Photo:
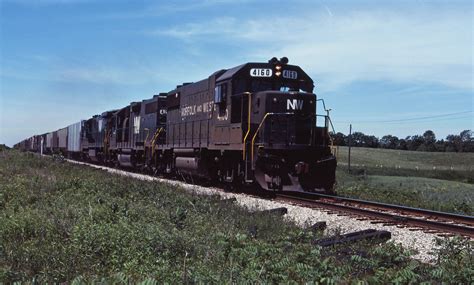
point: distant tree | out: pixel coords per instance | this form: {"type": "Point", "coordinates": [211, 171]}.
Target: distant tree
{"type": "Point", "coordinates": [440, 146]}
{"type": "Point", "coordinates": [466, 135]}
{"type": "Point", "coordinates": [402, 144]}
{"type": "Point", "coordinates": [358, 139]}
{"type": "Point", "coordinates": [370, 141]}
{"type": "Point", "coordinates": [339, 139]}
{"type": "Point", "coordinates": [389, 141]}
{"type": "Point", "coordinates": [467, 141]}
{"type": "Point", "coordinates": [414, 142]}
{"type": "Point", "coordinates": [427, 142]}
{"type": "Point", "coordinates": [429, 138]}
{"type": "Point", "coordinates": [453, 143]}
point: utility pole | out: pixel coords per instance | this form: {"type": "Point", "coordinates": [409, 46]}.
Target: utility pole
{"type": "Point", "coordinates": [350, 144]}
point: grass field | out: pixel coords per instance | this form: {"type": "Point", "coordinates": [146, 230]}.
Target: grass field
{"type": "Point", "coordinates": [70, 223]}
{"type": "Point", "coordinates": [438, 181]}
{"type": "Point", "coordinates": [390, 158]}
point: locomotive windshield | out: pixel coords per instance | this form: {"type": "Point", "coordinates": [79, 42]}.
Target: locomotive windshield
{"type": "Point", "coordinates": [265, 84]}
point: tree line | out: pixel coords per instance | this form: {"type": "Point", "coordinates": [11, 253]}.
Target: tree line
{"type": "Point", "coordinates": [464, 142]}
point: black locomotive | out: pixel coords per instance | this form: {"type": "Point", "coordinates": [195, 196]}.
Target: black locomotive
{"type": "Point", "coordinates": [252, 124]}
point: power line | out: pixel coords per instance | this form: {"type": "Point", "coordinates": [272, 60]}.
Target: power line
{"type": "Point", "coordinates": [408, 119]}
{"type": "Point", "coordinates": [434, 120]}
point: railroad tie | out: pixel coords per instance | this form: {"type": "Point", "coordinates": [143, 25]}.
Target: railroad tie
{"type": "Point", "coordinates": [277, 211]}
{"type": "Point", "coordinates": [370, 234]}
{"type": "Point", "coordinates": [318, 226]}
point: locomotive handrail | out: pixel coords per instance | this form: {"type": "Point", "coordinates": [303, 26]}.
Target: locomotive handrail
{"type": "Point", "coordinates": [248, 124]}
{"type": "Point", "coordinates": [153, 141]}
{"type": "Point", "coordinates": [327, 125]}
{"type": "Point", "coordinates": [333, 131]}
{"type": "Point", "coordinates": [258, 129]}
{"type": "Point", "coordinates": [332, 127]}
{"type": "Point", "coordinates": [328, 118]}
{"type": "Point", "coordinates": [324, 105]}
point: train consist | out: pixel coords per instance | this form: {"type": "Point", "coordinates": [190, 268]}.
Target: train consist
{"type": "Point", "coordinates": [252, 124]}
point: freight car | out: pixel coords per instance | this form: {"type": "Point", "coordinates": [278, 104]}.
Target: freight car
{"type": "Point", "coordinates": [252, 124]}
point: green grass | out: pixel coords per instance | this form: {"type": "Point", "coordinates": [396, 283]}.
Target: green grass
{"type": "Point", "coordinates": [388, 162]}
{"type": "Point", "coordinates": [420, 192]}
{"type": "Point", "coordinates": [407, 159]}
{"type": "Point", "coordinates": [431, 180]}
{"type": "Point", "coordinates": [68, 223]}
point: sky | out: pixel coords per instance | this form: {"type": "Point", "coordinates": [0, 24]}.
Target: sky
{"type": "Point", "coordinates": [386, 67]}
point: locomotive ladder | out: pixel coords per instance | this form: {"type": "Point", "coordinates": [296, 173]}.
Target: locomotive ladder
{"type": "Point", "coordinates": [248, 164]}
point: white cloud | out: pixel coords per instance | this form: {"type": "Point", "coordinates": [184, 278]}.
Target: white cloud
{"type": "Point", "coordinates": [423, 46]}
{"type": "Point", "coordinates": [159, 9]}
{"type": "Point", "coordinates": [224, 26]}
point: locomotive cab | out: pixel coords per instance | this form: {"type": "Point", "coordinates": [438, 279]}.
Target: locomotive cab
{"type": "Point", "coordinates": [285, 144]}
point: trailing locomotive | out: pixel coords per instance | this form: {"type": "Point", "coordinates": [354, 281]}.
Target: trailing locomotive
{"type": "Point", "coordinates": [252, 124]}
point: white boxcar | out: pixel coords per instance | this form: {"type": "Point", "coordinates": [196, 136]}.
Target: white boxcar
{"type": "Point", "coordinates": [62, 137]}
{"type": "Point", "coordinates": [74, 137]}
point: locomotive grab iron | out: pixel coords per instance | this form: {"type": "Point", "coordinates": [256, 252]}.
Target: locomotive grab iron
{"type": "Point", "coordinates": [252, 124]}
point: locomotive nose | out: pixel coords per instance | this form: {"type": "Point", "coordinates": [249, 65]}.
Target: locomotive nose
{"type": "Point", "coordinates": [281, 102]}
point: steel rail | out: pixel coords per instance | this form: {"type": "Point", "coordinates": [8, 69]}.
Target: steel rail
{"type": "Point", "coordinates": [465, 219]}
{"type": "Point", "coordinates": [388, 217]}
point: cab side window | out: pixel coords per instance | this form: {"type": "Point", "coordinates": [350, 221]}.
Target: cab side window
{"type": "Point", "coordinates": [220, 98]}
{"type": "Point", "coordinates": [220, 94]}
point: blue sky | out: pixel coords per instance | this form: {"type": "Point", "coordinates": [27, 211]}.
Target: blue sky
{"type": "Point", "coordinates": [374, 62]}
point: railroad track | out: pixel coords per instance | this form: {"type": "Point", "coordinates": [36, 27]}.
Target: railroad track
{"type": "Point", "coordinates": [416, 218]}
